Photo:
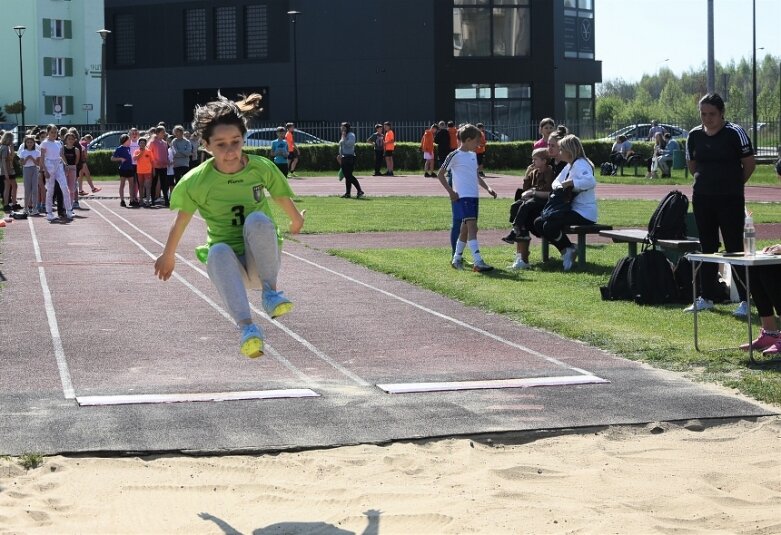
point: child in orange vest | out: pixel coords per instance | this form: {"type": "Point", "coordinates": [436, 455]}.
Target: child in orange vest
{"type": "Point", "coordinates": [427, 146]}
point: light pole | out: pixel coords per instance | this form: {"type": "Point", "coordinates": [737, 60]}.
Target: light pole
{"type": "Point", "coordinates": [103, 34]}
{"type": "Point", "coordinates": [754, 74]}
{"type": "Point", "coordinates": [293, 15]}
{"type": "Point", "coordinates": [20, 31]}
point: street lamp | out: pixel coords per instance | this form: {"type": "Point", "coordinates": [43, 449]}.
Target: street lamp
{"type": "Point", "coordinates": [293, 14]}
{"type": "Point", "coordinates": [20, 31]}
{"type": "Point", "coordinates": [103, 34]}
{"type": "Point", "coordinates": [754, 73]}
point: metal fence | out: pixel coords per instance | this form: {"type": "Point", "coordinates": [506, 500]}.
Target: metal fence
{"type": "Point", "coordinates": [767, 140]}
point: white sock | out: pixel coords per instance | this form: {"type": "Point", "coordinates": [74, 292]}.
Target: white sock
{"type": "Point", "coordinates": [460, 246]}
{"type": "Point", "coordinates": [475, 248]}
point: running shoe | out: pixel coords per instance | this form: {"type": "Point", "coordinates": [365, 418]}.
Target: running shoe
{"type": "Point", "coordinates": [700, 304]}
{"type": "Point", "coordinates": [481, 267]}
{"type": "Point", "coordinates": [741, 311]}
{"type": "Point", "coordinates": [69, 215]}
{"type": "Point", "coordinates": [519, 264]}
{"type": "Point", "coordinates": [510, 238]}
{"type": "Point", "coordinates": [50, 217]}
{"type": "Point", "coordinates": [763, 341]}
{"type": "Point", "coordinates": [568, 257]}
{"type": "Point", "coordinates": [251, 341]}
{"type": "Point", "coordinates": [457, 263]}
{"type": "Point", "coordinates": [96, 189]}
{"type": "Point", "coordinates": [360, 194]}
{"type": "Point", "coordinates": [275, 304]}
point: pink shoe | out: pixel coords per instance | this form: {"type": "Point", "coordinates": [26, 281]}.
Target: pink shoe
{"type": "Point", "coordinates": [773, 350]}
{"type": "Point", "coordinates": [763, 341]}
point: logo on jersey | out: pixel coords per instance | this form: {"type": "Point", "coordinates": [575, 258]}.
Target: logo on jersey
{"type": "Point", "coordinates": [257, 192]}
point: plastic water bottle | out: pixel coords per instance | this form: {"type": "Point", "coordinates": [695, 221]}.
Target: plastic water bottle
{"type": "Point", "coordinates": [749, 237]}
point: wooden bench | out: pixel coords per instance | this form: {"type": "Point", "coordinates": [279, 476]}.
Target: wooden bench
{"type": "Point", "coordinates": [582, 231]}
{"type": "Point", "coordinates": [633, 236]}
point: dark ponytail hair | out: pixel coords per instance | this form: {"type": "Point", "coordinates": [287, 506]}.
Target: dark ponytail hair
{"type": "Point", "coordinates": [225, 111]}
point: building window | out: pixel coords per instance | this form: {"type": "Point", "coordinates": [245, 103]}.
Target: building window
{"type": "Point", "coordinates": [195, 35]}
{"type": "Point", "coordinates": [58, 29]}
{"type": "Point", "coordinates": [578, 36]}
{"type": "Point", "coordinates": [502, 107]}
{"type": "Point", "coordinates": [58, 66]}
{"type": "Point", "coordinates": [578, 108]}
{"type": "Point", "coordinates": [225, 32]}
{"type": "Point", "coordinates": [256, 32]}
{"type": "Point", "coordinates": [58, 105]}
{"type": "Point", "coordinates": [483, 28]}
{"type": "Point", "coordinates": [125, 42]}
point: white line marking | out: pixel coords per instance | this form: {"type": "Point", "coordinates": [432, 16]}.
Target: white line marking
{"type": "Point", "coordinates": [59, 351]}
{"type": "Point", "coordinates": [138, 399]}
{"type": "Point", "coordinates": [306, 343]}
{"type": "Point", "coordinates": [407, 388]}
{"type": "Point", "coordinates": [444, 316]}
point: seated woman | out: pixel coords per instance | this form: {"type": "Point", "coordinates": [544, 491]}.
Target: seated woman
{"type": "Point", "coordinates": [577, 178]}
{"type": "Point", "coordinates": [652, 162]}
{"type": "Point", "coordinates": [766, 292]}
{"type": "Point", "coordinates": [621, 151]}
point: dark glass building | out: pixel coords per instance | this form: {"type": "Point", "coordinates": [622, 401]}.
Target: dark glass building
{"type": "Point", "coordinates": [507, 63]}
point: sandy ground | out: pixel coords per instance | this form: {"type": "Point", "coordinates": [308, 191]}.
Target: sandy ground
{"type": "Point", "coordinates": [691, 477]}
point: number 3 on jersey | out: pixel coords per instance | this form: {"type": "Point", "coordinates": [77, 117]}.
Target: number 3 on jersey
{"type": "Point", "coordinates": [238, 215]}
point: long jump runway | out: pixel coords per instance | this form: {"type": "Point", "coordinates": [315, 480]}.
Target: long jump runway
{"type": "Point", "coordinates": [99, 356]}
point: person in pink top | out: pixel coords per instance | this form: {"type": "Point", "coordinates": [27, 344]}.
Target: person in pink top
{"type": "Point", "coordinates": [159, 150]}
{"type": "Point", "coordinates": [547, 126]}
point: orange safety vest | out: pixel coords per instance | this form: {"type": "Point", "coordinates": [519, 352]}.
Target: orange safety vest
{"type": "Point", "coordinates": [390, 140]}
{"type": "Point", "coordinates": [427, 142]}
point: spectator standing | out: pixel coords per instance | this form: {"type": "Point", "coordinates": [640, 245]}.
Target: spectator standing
{"type": "Point", "coordinates": [7, 170]}
{"type": "Point", "coordinates": [576, 180]}
{"type": "Point", "coordinates": [279, 150]}
{"type": "Point", "coordinates": [453, 133]}
{"type": "Point", "coordinates": [135, 189]}
{"type": "Point", "coordinates": [464, 194]}
{"type": "Point", "coordinates": [377, 139]}
{"type": "Point", "coordinates": [84, 173]}
{"type": "Point", "coordinates": [389, 138]}
{"type": "Point", "coordinates": [182, 150]}
{"type": "Point", "coordinates": [427, 147]}
{"type": "Point", "coordinates": [54, 173]}
{"type": "Point", "coordinates": [442, 141]}
{"type": "Point", "coordinates": [123, 156]}
{"type": "Point", "coordinates": [30, 155]}
{"type": "Point", "coordinates": [655, 129]}
{"type": "Point", "coordinates": [547, 126]}
{"type": "Point", "coordinates": [480, 150]}
{"type": "Point", "coordinates": [159, 148]}
{"type": "Point", "coordinates": [292, 150]}
{"type": "Point", "coordinates": [72, 154]}
{"type": "Point", "coordinates": [196, 142]}
{"type": "Point", "coordinates": [144, 168]}
{"type": "Point", "coordinates": [347, 161]}
{"type": "Point", "coordinates": [720, 157]}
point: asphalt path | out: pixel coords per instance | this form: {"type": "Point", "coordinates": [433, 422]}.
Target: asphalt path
{"type": "Point", "coordinates": [96, 349]}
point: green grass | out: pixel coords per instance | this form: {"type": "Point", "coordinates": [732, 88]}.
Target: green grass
{"type": "Point", "coordinates": [570, 304]}
{"type": "Point", "coordinates": [380, 214]}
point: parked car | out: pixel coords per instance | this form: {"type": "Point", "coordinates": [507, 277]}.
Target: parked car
{"type": "Point", "coordinates": [639, 132]}
{"type": "Point", "coordinates": [492, 135]}
{"type": "Point", "coordinates": [263, 137]}
{"type": "Point", "coordinates": [107, 141]}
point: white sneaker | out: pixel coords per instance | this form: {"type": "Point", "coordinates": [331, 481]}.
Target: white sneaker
{"type": "Point", "coordinates": [701, 304]}
{"type": "Point", "coordinates": [50, 216]}
{"type": "Point", "coordinates": [519, 264]}
{"type": "Point", "coordinates": [742, 310]}
{"type": "Point", "coordinates": [568, 257]}
{"type": "Point", "coordinates": [69, 216]}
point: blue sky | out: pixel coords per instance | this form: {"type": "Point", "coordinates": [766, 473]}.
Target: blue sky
{"type": "Point", "coordinates": [636, 37]}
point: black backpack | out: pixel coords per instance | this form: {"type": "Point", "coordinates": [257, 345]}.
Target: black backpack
{"type": "Point", "coordinates": [651, 279]}
{"type": "Point", "coordinates": [669, 219]}
{"type": "Point", "coordinates": [617, 288]}
{"type": "Point", "coordinates": [606, 169]}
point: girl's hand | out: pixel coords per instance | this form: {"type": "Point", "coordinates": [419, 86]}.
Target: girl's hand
{"type": "Point", "coordinates": [453, 196]}
{"type": "Point", "coordinates": [297, 223]}
{"type": "Point", "coordinates": [164, 266]}
{"type": "Point", "coordinates": [492, 193]}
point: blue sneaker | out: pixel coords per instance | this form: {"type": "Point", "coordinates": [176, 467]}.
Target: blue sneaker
{"type": "Point", "coordinates": [251, 341]}
{"type": "Point", "coordinates": [275, 304]}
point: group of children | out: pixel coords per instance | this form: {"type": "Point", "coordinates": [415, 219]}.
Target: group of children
{"type": "Point", "coordinates": [53, 161]}
{"type": "Point", "coordinates": [152, 164]}
{"type": "Point", "coordinates": [444, 136]}
{"type": "Point", "coordinates": [284, 151]}
{"type": "Point", "coordinates": [384, 142]}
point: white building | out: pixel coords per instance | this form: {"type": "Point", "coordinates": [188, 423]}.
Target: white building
{"type": "Point", "coordinates": [61, 57]}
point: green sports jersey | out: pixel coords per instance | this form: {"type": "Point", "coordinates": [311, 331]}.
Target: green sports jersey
{"type": "Point", "coordinates": [225, 201]}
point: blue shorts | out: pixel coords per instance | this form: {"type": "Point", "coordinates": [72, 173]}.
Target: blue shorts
{"type": "Point", "coordinates": [465, 208]}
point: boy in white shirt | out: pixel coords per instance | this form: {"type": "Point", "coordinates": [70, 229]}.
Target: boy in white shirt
{"type": "Point", "coordinates": [464, 193]}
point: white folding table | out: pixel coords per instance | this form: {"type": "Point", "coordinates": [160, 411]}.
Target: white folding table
{"type": "Point", "coordinates": [733, 259]}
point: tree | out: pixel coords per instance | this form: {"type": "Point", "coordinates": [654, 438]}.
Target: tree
{"type": "Point", "coordinates": [15, 109]}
